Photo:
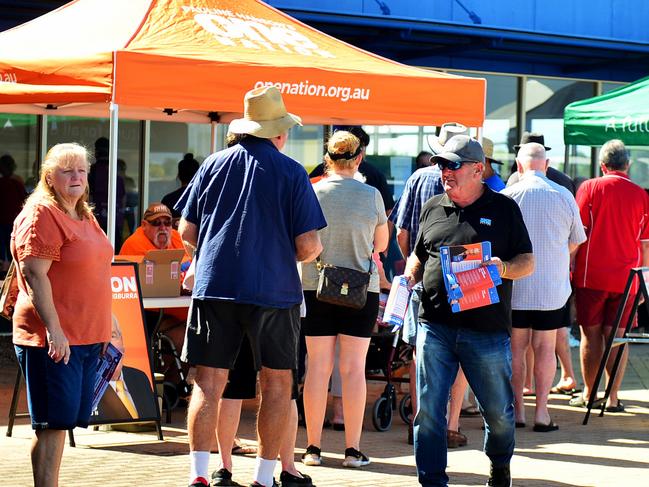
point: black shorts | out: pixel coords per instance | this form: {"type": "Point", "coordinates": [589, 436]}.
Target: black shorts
{"type": "Point", "coordinates": [539, 320]}
{"type": "Point", "coordinates": [324, 319]}
{"type": "Point", "coordinates": [242, 380]}
{"type": "Point", "coordinates": [215, 330]}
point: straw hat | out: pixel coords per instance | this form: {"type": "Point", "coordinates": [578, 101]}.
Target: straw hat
{"type": "Point", "coordinates": [446, 133]}
{"type": "Point", "coordinates": [264, 114]}
{"type": "Point", "coordinates": [488, 147]}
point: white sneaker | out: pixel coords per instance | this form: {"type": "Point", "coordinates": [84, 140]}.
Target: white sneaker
{"type": "Point", "coordinates": [312, 457]}
{"type": "Point", "coordinates": [355, 459]}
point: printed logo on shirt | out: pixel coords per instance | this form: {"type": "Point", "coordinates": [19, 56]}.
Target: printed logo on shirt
{"type": "Point", "coordinates": [485, 221]}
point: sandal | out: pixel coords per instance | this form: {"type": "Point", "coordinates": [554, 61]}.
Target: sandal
{"type": "Point", "coordinates": [581, 402]}
{"type": "Point", "coordinates": [239, 449]}
{"type": "Point", "coordinates": [565, 392]}
{"type": "Point", "coordinates": [455, 439]}
{"type": "Point", "coordinates": [619, 408]}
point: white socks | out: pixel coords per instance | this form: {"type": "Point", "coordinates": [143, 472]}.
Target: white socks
{"type": "Point", "coordinates": [199, 465]}
{"type": "Point", "coordinates": [264, 470]}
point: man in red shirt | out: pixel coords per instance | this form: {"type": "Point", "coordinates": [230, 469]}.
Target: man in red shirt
{"type": "Point", "coordinates": [615, 213]}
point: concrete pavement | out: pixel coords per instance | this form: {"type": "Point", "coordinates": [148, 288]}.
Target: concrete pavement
{"type": "Point", "coordinates": [609, 451]}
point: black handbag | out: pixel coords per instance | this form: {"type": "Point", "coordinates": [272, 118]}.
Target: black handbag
{"type": "Point", "coordinates": [342, 286]}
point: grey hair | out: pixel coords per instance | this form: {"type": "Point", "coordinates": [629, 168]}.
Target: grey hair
{"type": "Point", "coordinates": [614, 155]}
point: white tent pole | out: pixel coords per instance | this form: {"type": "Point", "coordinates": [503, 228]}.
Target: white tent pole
{"type": "Point", "coordinates": [214, 135]}
{"type": "Point", "coordinates": [112, 173]}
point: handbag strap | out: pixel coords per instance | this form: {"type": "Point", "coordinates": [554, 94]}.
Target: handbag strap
{"type": "Point", "coordinates": [321, 265]}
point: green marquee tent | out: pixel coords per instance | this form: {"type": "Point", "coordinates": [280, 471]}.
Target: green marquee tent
{"type": "Point", "coordinates": [620, 114]}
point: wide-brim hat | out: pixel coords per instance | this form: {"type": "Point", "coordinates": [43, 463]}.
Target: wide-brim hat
{"type": "Point", "coordinates": [529, 137]}
{"type": "Point", "coordinates": [264, 114]}
{"type": "Point", "coordinates": [488, 148]}
{"type": "Point", "coordinates": [446, 133]}
{"type": "Point", "coordinates": [461, 148]}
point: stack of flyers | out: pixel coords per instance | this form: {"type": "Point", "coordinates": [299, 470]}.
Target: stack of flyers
{"type": "Point", "coordinates": [106, 366]}
{"type": "Point", "coordinates": [468, 283]}
{"type": "Point", "coordinates": [397, 305]}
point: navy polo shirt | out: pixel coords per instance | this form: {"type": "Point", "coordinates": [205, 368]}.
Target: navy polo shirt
{"type": "Point", "coordinates": [249, 203]}
{"type": "Point", "coordinates": [492, 217]}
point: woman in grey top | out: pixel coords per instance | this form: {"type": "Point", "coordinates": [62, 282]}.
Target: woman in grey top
{"type": "Point", "coordinates": [357, 225]}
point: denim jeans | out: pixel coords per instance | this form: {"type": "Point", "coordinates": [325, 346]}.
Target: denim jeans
{"type": "Point", "coordinates": [486, 360]}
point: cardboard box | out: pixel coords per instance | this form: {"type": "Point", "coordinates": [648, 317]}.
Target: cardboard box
{"type": "Point", "coordinates": [158, 271]}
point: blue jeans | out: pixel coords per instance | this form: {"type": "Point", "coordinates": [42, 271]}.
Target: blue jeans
{"type": "Point", "coordinates": [487, 363]}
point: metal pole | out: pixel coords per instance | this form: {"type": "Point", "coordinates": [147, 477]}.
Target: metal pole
{"type": "Point", "coordinates": [566, 159]}
{"type": "Point", "coordinates": [146, 164]}
{"type": "Point", "coordinates": [112, 173]}
{"type": "Point", "coordinates": [214, 135]}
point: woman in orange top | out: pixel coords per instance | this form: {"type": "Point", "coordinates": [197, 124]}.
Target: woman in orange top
{"type": "Point", "coordinates": [62, 318]}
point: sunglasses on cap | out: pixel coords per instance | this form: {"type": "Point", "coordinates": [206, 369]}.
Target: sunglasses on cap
{"type": "Point", "coordinates": [160, 221]}
{"type": "Point", "coordinates": [452, 165]}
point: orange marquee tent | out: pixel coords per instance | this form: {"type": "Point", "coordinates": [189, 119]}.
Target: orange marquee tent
{"type": "Point", "coordinates": [192, 57]}
{"type": "Point", "coordinates": [193, 60]}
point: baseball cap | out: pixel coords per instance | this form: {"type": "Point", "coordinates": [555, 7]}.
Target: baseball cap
{"type": "Point", "coordinates": [461, 148]}
{"type": "Point", "coordinates": [156, 210]}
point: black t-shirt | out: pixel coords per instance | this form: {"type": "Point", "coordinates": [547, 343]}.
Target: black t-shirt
{"type": "Point", "coordinates": [493, 217]}
{"type": "Point", "coordinates": [170, 200]}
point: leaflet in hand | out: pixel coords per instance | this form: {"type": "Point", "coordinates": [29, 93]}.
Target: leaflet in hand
{"type": "Point", "coordinates": [468, 283]}
{"type": "Point", "coordinates": [106, 366]}
{"type": "Point", "coordinates": [397, 305]}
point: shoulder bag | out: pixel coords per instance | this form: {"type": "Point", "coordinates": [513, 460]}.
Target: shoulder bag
{"type": "Point", "coordinates": [342, 286]}
{"type": "Point", "coordinates": [9, 293]}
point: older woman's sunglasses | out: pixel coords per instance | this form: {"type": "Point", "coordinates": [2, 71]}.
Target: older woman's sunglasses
{"type": "Point", "coordinates": [160, 221]}
{"type": "Point", "coordinates": [452, 165]}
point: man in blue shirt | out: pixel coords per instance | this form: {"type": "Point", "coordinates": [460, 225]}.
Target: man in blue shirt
{"type": "Point", "coordinates": [249, 214]}
{"type": "Point", "coordinates": [489, 176]}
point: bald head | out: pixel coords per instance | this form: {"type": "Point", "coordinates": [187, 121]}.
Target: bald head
{"type": "Point", "coordinates": [531, 157]}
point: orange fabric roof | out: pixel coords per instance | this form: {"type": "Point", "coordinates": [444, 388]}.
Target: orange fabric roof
{"type": "Point", "coordinates": [203, 55]}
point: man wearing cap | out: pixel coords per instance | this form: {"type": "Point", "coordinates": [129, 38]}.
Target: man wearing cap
{"type": "Point", "coordinates": [490, 177]}
{"type": "Point", "coordinates": [552, 174]}
{"type": "Point", "coordinates": [476, 339]}
{"type": "Point", "coordinates": [155, 232]}
{"type": "Point", "coordinates": [422, 185]}
{"type": "Point", "coordinates": [615, 213]}
{"type": "Point", "coordinates": [249, 215]}
{"type": "Point", "coordinates": [538, 301]}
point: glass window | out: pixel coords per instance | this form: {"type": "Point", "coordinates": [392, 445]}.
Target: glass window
{"type": "Point", "coordinates": [87, 131]}
{"type": "Point", "coordinates": [305, 145]}
{"type": "Point", "coordinates": [18, 149]}
{"type": "Point", "coordinates": [500, 123]}
{"type": "Point", "coordinates": [606, 87]}
{"type": "Point", "coordinates": [393, 150]}
{"type": "Point", "coordinates": [19, 139]}
{"type": "Point", "coordinates": [545, 100]}
{"type": "Point", "coordinates": [170, 141]}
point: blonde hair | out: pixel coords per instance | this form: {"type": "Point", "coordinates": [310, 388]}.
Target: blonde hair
{"type": "Point", "coordinates": [345, 144]}
{"type": "Point", "coordinates": [61, 156]}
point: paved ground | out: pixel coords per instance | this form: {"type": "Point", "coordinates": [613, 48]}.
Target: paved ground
{"type": "Point", "coordinates": [609, 451]}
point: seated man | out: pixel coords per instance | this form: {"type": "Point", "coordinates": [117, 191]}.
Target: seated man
{"type": "Point", "coordinates": [156, 232]}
